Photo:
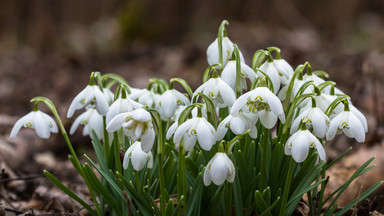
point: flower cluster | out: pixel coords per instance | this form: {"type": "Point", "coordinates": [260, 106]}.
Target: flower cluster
{"type": "Point", "coordinates": [275, 115]}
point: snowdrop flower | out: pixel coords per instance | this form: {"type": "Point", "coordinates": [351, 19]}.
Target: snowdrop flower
{"type": "Point", "coordinates": [299, 143]}
{"type": "Point", "coordinates": [138, 157]}
{"type": "Point", "coordinates": [323, 101]}
{"type": "Point", "coordinates": [219, 169]}
{"type": "Point", "coordinates": [213, 55]}
{"type": "Point", "coordinates": [41, 122]}
{"type": "Point", "coordinates": [92, 120]}
{"type": "Point", "coordinates": [145, 97]}
{"type": "Point", "coordinates": [238, 123]}
{"type": "Point", "coordinates": [137, 125]}
{"type": "Point", "coordinates": [221, 94]}
{"type": "Point", "coordinates": [262, 103]}
{"type": "Point", "coordinates": [351, 124]}
{"type": "Point", "coordinates": [91, 95]}
{"type": "Point", "coordinates": [228, 74]}
{"type": "Point", "coordinates": [121, 105]}
{"type": "Point", "coordinates": [284, 69]}
{"type": "Point", "coordinates": [270, 69]}
{"type": "Point", "coordinates": [315, 118]}
{"type": "Point", "coordinates": [312, 77]}
{"type": "Point", "coordinates": [169, 101]}
{"type": "Point", "coordinates": [108, 95]}
{"type": "Point", "coordinates": [192, 130]}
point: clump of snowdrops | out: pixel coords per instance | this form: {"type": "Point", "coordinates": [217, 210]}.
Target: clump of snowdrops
{"type": "Point", "coordinates": [249, 140]}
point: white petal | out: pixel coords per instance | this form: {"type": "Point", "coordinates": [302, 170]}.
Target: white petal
{"type": "Point", "coordinates": [300, 148]}
{"type": "Point", "coordinates": [219, 169]}
{"type": "Point", "coordinates": [101, 101]}
{"type": "Point", "coordinates": [320, 151]}
{"type": "Point", "coordinates": [319, 122]}
{"type": "Point", "coordinates": [138, 158]}
{"type": "Point", "coordinates": [188, 142]}
{"type": "Point", "coordinates": [238, 125]}
{"type": "Point", "coordinates": [357, 128]}
{"type": "Point", "coordinates": [228, 75]}
{"type": "Point", "coordinates": [147, 140]}
{"type": "Point", "coordinates": [150, 160]}
{"type": "Point", "coordinates": [231, 170]}
{"type": "Point", "coordinates": [240, 102]}
{"type": "Point", "coordinates": [205, 134]}
{"type": "Point", "coordinates": [16, 128]}
{"type": "Point", "coordinates": [207, 177]}
{"type": "Point", "coordinates": [335, 122]}
{"type": "Point", "coordinates": [227, 94]}
{"type": "Point", "coordinates": [42, 129]}
{"type": "Point", "coordinates": [117, 122]}
{"type": "Point", "coordinates": [181, 130]}
{"type": "Point", "coordinates": [127, 157]}
{"type": "Point", "coordinates": [77, 101]}
{"type": "Point", "coordinates": [268, 119]}
{"type": "Point", "coordinates": [141, 115]}
{"type": "Point", "coordinates": [172, 130]}
{"type": "Point", "coordinates": [360, 116]}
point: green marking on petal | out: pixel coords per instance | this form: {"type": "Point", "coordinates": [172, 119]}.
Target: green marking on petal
{"type": "Point", "coordinates": [28, 124]}
{"type": "Point", "coordinates": [344, 125]}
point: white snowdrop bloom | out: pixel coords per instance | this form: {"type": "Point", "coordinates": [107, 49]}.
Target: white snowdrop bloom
{"type": "Point", "coordinates": [213, 55]}
{"type": "Point", "coordinates": [92, 120]}
{"type": "Point", "coordinates": [270, 69]}
{"type": "Point", "coordinates": [296, 87]}
{"type": "Point", "coordinates": [137, 125]}
{"type": "Point", "coordinates": [316, 80]}
{"type": "Point", "coordinates": [221, 94]}
{"type": "Point", "coordinates": [169, 101]}
{"type": "Point", "coordinates": [145, 97]}
{"type": "Point", "coordinates": [323, 101]}
{"type": "Point", "coordinates": [228, 74]}
{"type": "Point", "coordinates": [138, 157]}
{"type": "Point", "coordinates": [41, 122]}
{"type": "Point", "coordinates": [108, 95]}
{"type": "Point", "coordinates": [285, 70]}
{"type": "Point", "coordinates": [315, 118]}
{"type": "Point", "coordinates": [192, 130]}
{"type": "Point", "coordinates": [350, 124]}
{"type": "Point", "coordinates": [219, 169]}
{"type": "Point", "coordinates": [121, 105]}
{"type": "Point", "coordinates": [91, 95]}
{"type": "Point", "coordinates": [238, 123]}
{"type": "Point", "coordinates": [263, 103]}
{"type": "Point", "coordinates": [299, 143]}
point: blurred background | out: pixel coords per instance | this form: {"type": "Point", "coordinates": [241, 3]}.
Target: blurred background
{"type": "Point", "coordinates": [50, 47]}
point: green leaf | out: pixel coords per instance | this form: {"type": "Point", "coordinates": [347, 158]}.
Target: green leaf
{"type": "Point", "coordinates": [184, 84]}
{"type": "Point", "coordinates": [261, 205]}
{"type": "Point", "coordinates": [195, 197]}
{"type": "Point", "coordinates": [68, 191]}
{"type": "Point", "coordinates": [258, 58]}
{"type": "Point", "coordinates": [270, 208]}
{"type": "Point", "coordinates": [362, 197]}
{"type": "Point", "coordinates": [101, 190]}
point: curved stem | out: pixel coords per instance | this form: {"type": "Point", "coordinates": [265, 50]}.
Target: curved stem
{"type": "Point", "coordinates": [287, 187]}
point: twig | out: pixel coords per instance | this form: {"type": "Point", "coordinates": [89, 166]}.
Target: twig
{"type": "Point", "coordinates": [357, 199]}
{"type": "Point", "coordinates": [21, 178]}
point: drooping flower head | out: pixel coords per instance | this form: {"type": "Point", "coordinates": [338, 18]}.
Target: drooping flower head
{"type": "Point", "coordinates": [90, 96]}
{"type": "Point", "coordinates": [169, 101]}
{"type": "Point", "coordinates": [121, 105]}
{"type": "Point", "coordinates": [43, 124]}
{"type": "Point", "coordinates": [238, 123]}
{"type": "Point", "coordinates": [219, 169]}
{"type": "Point", "coordinates": [213, 54]}
{"type": "Point", "coordinates": [315, 118]}
{"type": "Point", "coordinates": [220, 93]}
{"type": "Point", "coordinates": [138, 157]}
{"type": "Point", "coordinates": [261, 103]}
{"type": "Point", "coordinates": [299, 143]}
{"type": "Point", "coordinates": [228, 75]}
{"type": "Point", "coordinates": [92, 120]}
{"type": "Point", "coordinates": [137, 125]}
{"type": "Point", "coordinates": [351, 122]}
{"type": "Point", "coordinates": [192, 130]}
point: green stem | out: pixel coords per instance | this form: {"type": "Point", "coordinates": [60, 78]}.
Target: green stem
{"type": "Point", "coordinates": [117, 152]}
{"type": "Point", "coordinates": [287, 187]}
{"type": "Point", "coordinates": [106, 141]}
{"type": "Point", "coordinates": [181, 175]}
{"type": "Point", "coordinates": [76, 161]}
{"type": "Point", "coordinates": [264, 158]}
{"type": "Point", "coordinates": [228, 199]}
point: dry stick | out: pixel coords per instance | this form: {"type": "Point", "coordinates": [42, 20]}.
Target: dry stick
{"type": "Point", "coordinates": [357, 199]}
{"type": "Point", "coordinates": [21, 178]}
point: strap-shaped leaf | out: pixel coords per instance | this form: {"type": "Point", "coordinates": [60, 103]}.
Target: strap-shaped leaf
{"type": "Point", "coordinates": [68, 191]}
